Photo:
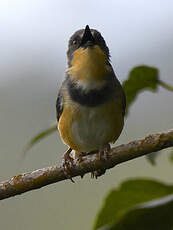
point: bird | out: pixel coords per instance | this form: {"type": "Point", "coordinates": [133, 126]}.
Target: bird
{"type": "Point", "coordinates": [91, 103]}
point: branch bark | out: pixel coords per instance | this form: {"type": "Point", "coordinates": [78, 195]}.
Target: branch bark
{"type": "Point", "coordinates": [42, 177]}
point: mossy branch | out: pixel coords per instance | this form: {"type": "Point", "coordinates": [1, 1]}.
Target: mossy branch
{"type": "Point", "coordinates": [42, 177]}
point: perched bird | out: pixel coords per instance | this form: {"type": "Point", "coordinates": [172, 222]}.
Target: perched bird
{"type": "Point", "coordinates": [91, 102]}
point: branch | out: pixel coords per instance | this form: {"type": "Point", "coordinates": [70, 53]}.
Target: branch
{"type": "Point", "coordinates": [165, 85]}
{"type": "Point", "coordinates": [42, 177]}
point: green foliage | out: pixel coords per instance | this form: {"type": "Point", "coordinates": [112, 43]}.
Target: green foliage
{"type": "Point", "coordinates": [148, 218]}
{"type": "Point", "coordinates": [122, 208]}
{"type": "Point", "coordinates": [37, 138]}
{"type": "Point", "coordinates": [140, 78]}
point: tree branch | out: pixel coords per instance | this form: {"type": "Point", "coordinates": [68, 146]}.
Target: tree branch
{"type": "Point", "coordinates": [42, 177]}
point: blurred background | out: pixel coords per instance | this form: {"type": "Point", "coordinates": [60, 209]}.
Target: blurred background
{"type": "Point", "coordinates": [33, 44]}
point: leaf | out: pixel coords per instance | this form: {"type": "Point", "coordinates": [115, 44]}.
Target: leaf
{"type": "Point", "coordinates": [166, 86]}
{"type": "Point", "coordinates": [130, 194]}
{"type": "Point", "coordinates": [140, 79]}
{"type": "Point", "coordinates": [37, 138]}
{"type": "Point", "coordinates": [149, 216]}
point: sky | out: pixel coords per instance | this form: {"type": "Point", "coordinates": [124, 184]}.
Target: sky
{"type": "Point", "coordinates": [37, 32]}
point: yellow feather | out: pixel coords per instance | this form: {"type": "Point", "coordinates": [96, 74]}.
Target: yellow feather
{"type": "Point", "coordinates": [89, 64]}
{"type": "Point", "coordinates": [86, 129]}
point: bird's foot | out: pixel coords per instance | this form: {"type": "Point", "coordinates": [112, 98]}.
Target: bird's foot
{"type": "Point", "coordinates": [104, 152]}
{"type": "Point", "coordinates": [102, 155]}
{"type": "Point", "coordinates": [98, 173]}
{"type": "Point", "coordinates": [79, 156]}
{"type": "Point", "coordinates": [67, 162]}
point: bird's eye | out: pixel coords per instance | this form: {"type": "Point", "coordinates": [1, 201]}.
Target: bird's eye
{"type": "Point", "coordinates": [74, 42]}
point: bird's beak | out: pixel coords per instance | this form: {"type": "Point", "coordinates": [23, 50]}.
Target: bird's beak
{"type": "Point", "coordinates": [87, 39]}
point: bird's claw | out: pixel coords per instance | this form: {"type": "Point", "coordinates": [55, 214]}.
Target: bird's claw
{"type": "Point", "coordinates": [97, 173]}
{"type": "Point", "coordinates": [67, 162]}
{"type": "Point", "coordinates": [102, 155]}
{"type": "Point", "coordinates": [104, 152]}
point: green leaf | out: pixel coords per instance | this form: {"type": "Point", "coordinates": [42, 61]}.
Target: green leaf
{"type": "Point", "coordinates": [130, 194]}
{"type": "Point", "coordinates": [149, 216]}
{"type": "Point", "coordinates": [37, 138]}
{"type": "Point", "coordinates": [140, 78]}
{"type": "Point", "coordinates": [166, 86]}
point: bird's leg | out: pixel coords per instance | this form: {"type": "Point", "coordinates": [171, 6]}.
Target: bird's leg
{"type": "Point", "coordinates": [68, 159]}
{"type": "Point", "coordinates": [79, 157]}
{"type": "Point", "coordinates": [103, 152]}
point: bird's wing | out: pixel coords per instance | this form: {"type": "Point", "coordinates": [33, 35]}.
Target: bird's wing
{"type": "Point", "coordinates": [124, 102]}
{"type": "Point", "coordinates": [120, 91]}
{"type": "Point", "coordinates": [59, 105]}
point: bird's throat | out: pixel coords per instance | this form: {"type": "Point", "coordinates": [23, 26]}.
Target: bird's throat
{"type": "Point", "coordinates": [89, 64]}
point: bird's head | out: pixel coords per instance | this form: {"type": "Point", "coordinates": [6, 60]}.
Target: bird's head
{"type": "Point", "coordinates": [86, 42]}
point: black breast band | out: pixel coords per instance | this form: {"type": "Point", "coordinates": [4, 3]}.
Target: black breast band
{"type": "Point", "coordinates": [91, 98]}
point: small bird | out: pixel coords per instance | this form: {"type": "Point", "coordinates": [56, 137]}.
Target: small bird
{"type": "Point", "coordinates": [91, 102]}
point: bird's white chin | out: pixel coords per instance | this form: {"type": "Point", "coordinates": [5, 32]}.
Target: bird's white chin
{"type": "Point", "coordinates": [87, 84]}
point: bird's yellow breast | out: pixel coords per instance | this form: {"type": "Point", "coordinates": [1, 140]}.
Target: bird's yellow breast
{"type": "Point", "coordinates": [89, 64]}
{"type": "Point", "coordinates": [85, 129]}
